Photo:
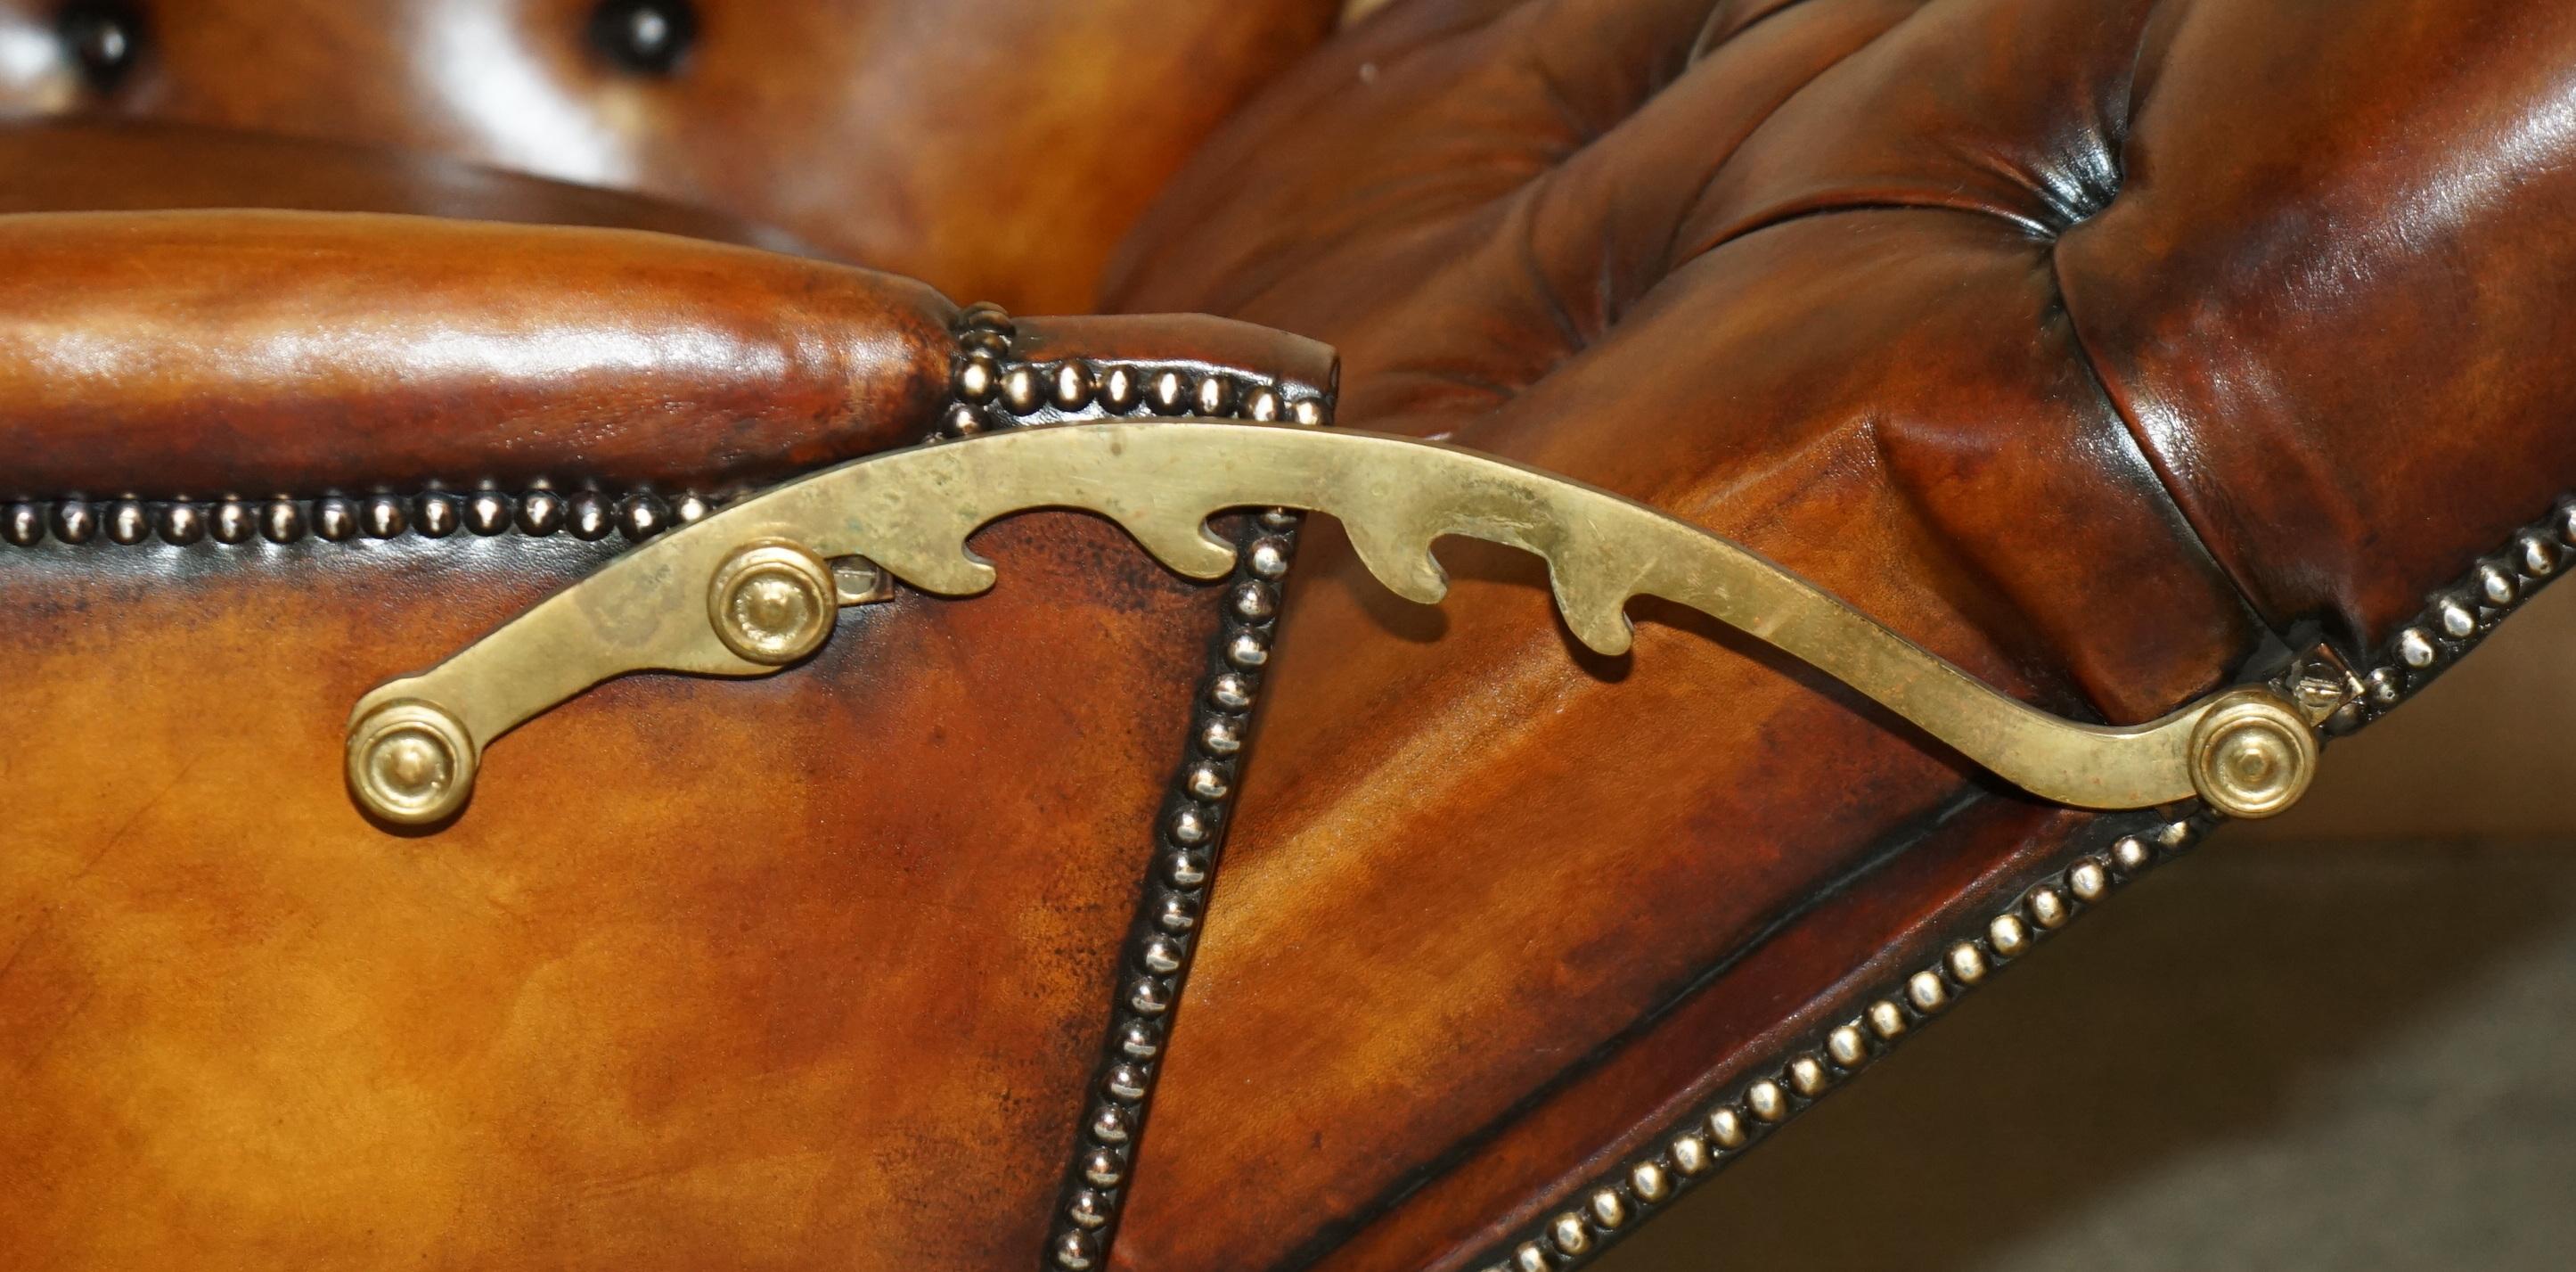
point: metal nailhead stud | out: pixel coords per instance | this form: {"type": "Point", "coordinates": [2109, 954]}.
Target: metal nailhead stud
{"type": "Point", "coordinates": [182, 524]}
{"type": "Point", "coordinates": [2048, 909]}
{"type": "Point", "coordinates": [1270, 558]}
{"type": "Point", "coordinates": [2131, 853]}
{"type": "Point", "coordinates": [1247, 650]}
{"type": "Point", "coordinates": [74, 521]}
{"type": "Point", "coordinates": [437, 515]}
{"type": "Point", "coordinates": [1186, 869]}
{"type": "Point", "coordinates": [382, 517]}
{"type": "Point", "coordinates": [1690, 1154]}
{"type": "Point", "coordinates": [1926, 992]}
{"type": "Point", "coordinates": [1221, 737]}
{"type": "Point", "coordinates": [24, 525]}
{"type": "Point", "coordinates": [977, 378]}
{"type": "Point", "coordinates": [1089, 1209]}
{"type": "Point", "coordinates": [1176, 914]}
{"type": "Point", "coordinates": [1569, 1234]}
{"type": "Point", "coordinates": [1529, 1258]}
{"type": "Point", "coordinates": [2008, 935]}
{"type": "Point", "coordinates": [1609, 1209]}
{"type": "Point", "coordinates": [2535, 555]}
{"type": "Point", "coordinates": [1140, 1039]}
{"type": "Point", "coordinates": [1073, 387]}
{"type": "Point", "coordinates": [1766, 1100]}
{"type": "Point", "coordinates": [1163, 955]}
{"type": "Point", "coordinates": [2415, 648]}
{"type": "Point", "coordinates": [231, 522]}
{"type": "Point", "coordinates": [689, 510]}
{"type": "Point", "coordinates": [1278, 519]}
{"type": "Point", "coordinates": [542, 513]}
{"type": "Point", "coordinates": [127, 522]}
{"type": "Point", "coordinates": [641, 516]}
{"type": "Point", "coordinates": [1230, 691]}
{"type": "Point", "coordinates": [1809, 1076]}
{"type": "Point", "coordinates": [1648, 1180]}
{"type": "Point", "coordinates": [282, 521]}
{"type": "Point", "coordinates": [1726, 1127]}
{"type": "Point", "coordinates": [1120, 389]}
{"type": "Point", "coordinates": [1168, 392]}
{"type": "Point", "coordinates": [1254, 602]}
{"type": "Point", "coordinates": [1021, 393]}
{"type": "Point", "coordinates": [335, 520]}
{"type": "Point", "coordinates": [1967, 963]}
{"type": "Point", "coordinates": [1264, 405]}
{"type": "Point", "coordinates": [1103, 1168]}
{"type": "Point", "coordinates": [589, 517]}
{"type": "Point", "coordinates": [2496, 587]}
{"type": "Point", "coordinates": [1125, 1082]}
{"type": "Point", "coordinates": [1073, 1253]}
{"type": "Point", "coordinates": [1216, 395]}
{"type": "Point", "coordinates": [1887, 1020]}
{"type": "Point", "coordinates": [1190, 826]}
{"type": "Point", "coordinates": [487, 512]}
{"type": "Point", "coordinates": [1149, 997]}
{"type": "Point", "coordinates": [1847, 1046]}
{"type": "Point", "coordinates": [2455, 619]}
{"type": "Point", "coordinates": [1205, 782]}
{"type": "Point", "coordinates": [1109, 1125]}
{"type": "Point", "coordinates": [2089, 881]}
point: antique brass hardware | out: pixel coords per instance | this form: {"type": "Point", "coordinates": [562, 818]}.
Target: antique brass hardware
{"type": "Point", "coordinates": [753, 588]}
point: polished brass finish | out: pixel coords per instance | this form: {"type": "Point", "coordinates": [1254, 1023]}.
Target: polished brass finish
{"type": "Point", "coordinates": [772, 602]}
{"type": "Point", "coordinates": [909, 512]}
{"type": "Point", "coordinates": [411, 762]}
{"type": "Point", "coordinates": [2252, 756]}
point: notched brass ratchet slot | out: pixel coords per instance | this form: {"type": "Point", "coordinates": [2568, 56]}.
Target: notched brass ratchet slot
{"type": "Point", "coordinates": [754, 588]}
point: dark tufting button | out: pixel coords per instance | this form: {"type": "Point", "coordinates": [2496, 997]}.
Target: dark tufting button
{"type": "Point", "coordinates": [104, 36]}
{"type": "Point", "coordinates": [650, 36]}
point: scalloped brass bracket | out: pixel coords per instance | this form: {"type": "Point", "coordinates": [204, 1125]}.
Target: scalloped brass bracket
{"type": "Point", "coordinates": [752, 589]}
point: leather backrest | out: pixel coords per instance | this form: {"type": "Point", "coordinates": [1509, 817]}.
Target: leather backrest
{"type": "Point", "coordinates": [991, 147]}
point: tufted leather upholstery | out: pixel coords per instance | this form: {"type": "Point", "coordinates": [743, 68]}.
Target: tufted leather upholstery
{"type": "Point", "coordinates": [2091, 343]}
{"type": "Point", "coordinates": [984, 146]}
{"type": "Point", "coordinates": [2083, 342]}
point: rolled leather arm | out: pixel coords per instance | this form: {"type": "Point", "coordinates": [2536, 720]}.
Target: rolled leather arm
{"type": "Point", "coordinates": [205, 354]}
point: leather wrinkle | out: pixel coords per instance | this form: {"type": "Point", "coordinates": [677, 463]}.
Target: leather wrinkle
{"type": "Point", "coordinates": [2177, 511]}
{"type": "Point", "coordinates": [1672, 247]}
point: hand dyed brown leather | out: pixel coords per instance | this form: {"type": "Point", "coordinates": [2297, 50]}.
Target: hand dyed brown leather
{"type": "Point", "coordinates": [2092, 345]}
{"type": "Point", "coordinates": [2081, 342]}
{"type": "Point", "coordinates": [995, 148]}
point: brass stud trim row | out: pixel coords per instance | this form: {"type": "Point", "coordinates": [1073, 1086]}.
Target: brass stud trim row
{"type": "Point", "coordinates": [1190, 830]}
{"type": "Point", "coordinates": [1689, 1153]}
{"type": "Point", "coordinates": [587, 515]}
{"type": "Point", "coordinates": [2454, 620]}
{"type": "Point", "coordinates": [989, 389]}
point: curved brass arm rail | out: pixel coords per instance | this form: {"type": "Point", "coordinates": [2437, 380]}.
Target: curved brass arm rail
{"type": "Point", "coordinates": [751, 589]}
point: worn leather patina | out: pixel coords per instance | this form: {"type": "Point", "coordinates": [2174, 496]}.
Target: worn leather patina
{"type": "Point", "coordinates": [2100, 348]}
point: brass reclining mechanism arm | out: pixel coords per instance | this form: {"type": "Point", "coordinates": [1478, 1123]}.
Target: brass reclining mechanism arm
{"type": "Point", "coordinates": [754, 588]}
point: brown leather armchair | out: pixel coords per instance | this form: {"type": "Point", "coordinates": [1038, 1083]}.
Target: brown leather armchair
{"type": "Point", "coordinates": [2110, 351]}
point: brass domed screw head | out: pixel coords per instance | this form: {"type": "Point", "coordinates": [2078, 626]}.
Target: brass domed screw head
{"type": "Point", "coordinates": [410, 762]}
{"type": "Point", "coordinates": [2253, 755]}
{"type": "Point", "coordinates": [772, 603]}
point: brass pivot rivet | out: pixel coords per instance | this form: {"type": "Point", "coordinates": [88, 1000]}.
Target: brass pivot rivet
{"type": "Point", "coordinates": [411, 762]}
{"type": "Point", "coordinates": [2253, 755]}
{"type": "Point", "coordinates": [772, 603]}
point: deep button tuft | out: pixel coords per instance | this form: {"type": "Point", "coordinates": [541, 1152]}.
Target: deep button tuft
{"type": "Point", "coordinates": [104, 37]}
{"type": "Point", "coordinates": [2081, 190]}
{"type": "Point", "coordinates": [647, 36]}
